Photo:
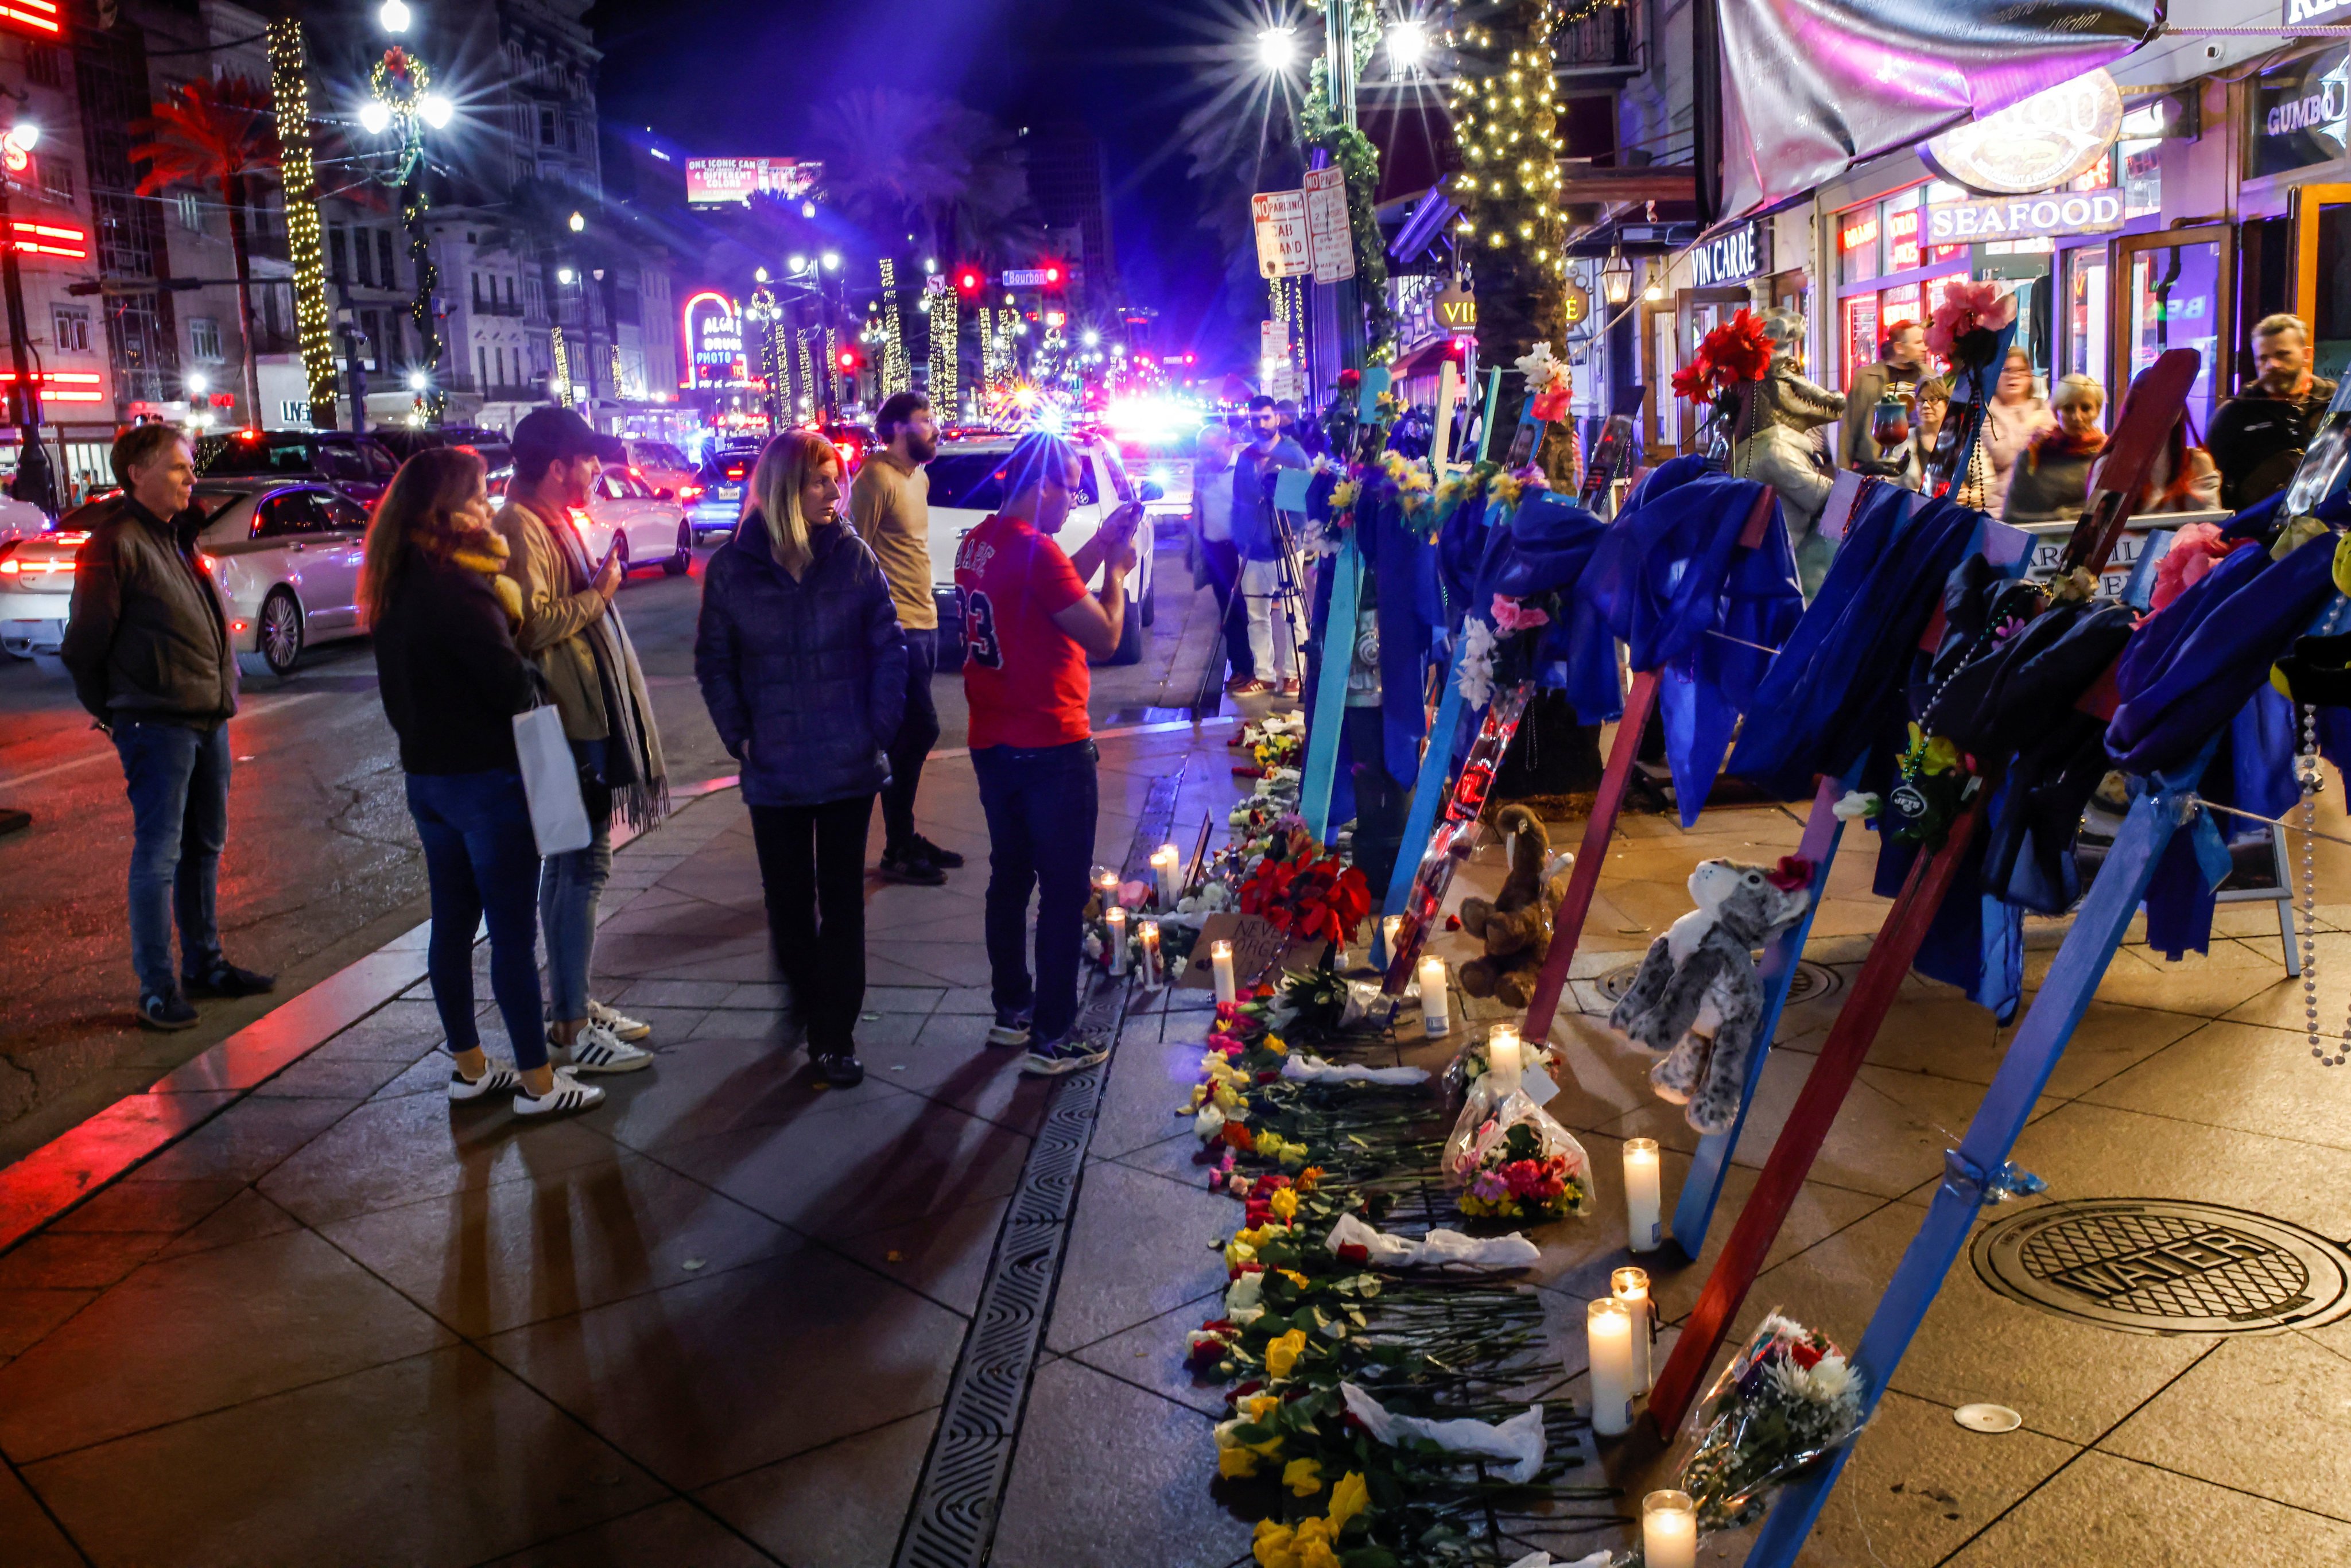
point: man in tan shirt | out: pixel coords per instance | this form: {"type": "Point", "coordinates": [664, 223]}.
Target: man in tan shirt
{"type": "Point", "coordinates": [890, 506]}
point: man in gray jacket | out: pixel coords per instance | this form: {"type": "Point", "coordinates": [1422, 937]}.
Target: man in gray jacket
{"type": "Point", "coordinates": [148, 647]}
{"type": "Point", "coordinates": [1901, 365]}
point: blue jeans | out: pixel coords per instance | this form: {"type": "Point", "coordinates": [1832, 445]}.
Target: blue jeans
{"type": "Point", "coordinates": [570, 889]}
{"type": "Point", "coordinates": [917, 733]}
{"type": "Point", "coordinates": [178, 783]}
{"type": "Point", "coordinates": [1041, 805]}
{"type": "Point", "coordinates": [482, 863]}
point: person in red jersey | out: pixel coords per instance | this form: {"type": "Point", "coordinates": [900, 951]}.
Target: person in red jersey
{"type": "Point", "coordinates": [1028, 624]}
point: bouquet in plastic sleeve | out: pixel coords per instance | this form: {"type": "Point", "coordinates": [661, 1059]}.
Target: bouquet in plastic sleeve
{"type": "Point", "coordinates": [1787, 1400]}
{"type": "Point", "coordinates": [1508, 1156]}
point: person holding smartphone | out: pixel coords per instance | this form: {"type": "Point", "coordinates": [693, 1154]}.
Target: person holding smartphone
{"type": "Point", "coordinates": [1029, 626]}
{"type": "Point", "coordinates": [573, 632]}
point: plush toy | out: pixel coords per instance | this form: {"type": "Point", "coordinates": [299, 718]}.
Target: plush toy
{"type": "Point", "coordinates": [1516, 926]}
{"type": "Point", "coordinates": [1697, 997]}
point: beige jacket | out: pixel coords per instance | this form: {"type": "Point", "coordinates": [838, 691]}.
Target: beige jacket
{"type": "Point", "coordinates": [553, 617]}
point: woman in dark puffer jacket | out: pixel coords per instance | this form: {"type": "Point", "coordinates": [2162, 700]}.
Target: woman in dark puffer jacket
{"type": "Point", "coordinates": [804, 666]}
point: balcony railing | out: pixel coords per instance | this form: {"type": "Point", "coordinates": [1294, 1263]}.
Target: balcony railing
{"type": "Point", "coordinates": [1599, 43]}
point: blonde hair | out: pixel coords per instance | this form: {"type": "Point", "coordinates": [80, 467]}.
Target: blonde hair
{"type": "Point", "coordinates": [783, 467]}
{"type": "Point", "coordinates": [2271, 326]}
{"type": "Point", "coordinates": [2077, 388]}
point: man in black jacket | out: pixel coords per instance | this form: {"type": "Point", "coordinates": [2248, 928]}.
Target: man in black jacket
{"type": "Point", "coordinates": [148, 647]}
{"type": "Point", "coordinates": [2258, 437]}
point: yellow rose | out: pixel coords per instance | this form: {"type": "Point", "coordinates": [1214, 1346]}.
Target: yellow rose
{"type": "Point", "coordinates": [1273, 1042]}
{"type": "Point", "coordinates": [1236, 1463]}
{"type": "Point", "coordinates": [1271, 1546]}
{"type": "Point", "coordinates": [1294, 1277]}
{"type": "Point", "coordinates": [1312, 1532]}
{"type": "Point", "coordinates": [1262, 1405]}
{"type": "Point", "coordinates": [1281, 1354]}
{"type": "Point", "coordinates": [1237, 1252]}
{"type": "Point", "coordinates": [1284, 1204]}
{"type": "Point", "coordinates": [1317, 1554]}
{"type": "Point", "coordinates": [1304, 1476]}
{"type": "Point", "coordinates": [1348, 1498]}
{"type": "Point", "coordinates": [1224, 1096]}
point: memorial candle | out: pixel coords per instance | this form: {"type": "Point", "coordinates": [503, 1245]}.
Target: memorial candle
{"type": "Point", "coordinates": [1154, 973]}
{"type": "Point", "coordinates": [1641, 1203]}
{"type": "Point", "coordinates": [1435, 1015]}
{"type": "Point", "coordinates": [1220, 958]}
{"type": "Point", "coordinates": [1163, 867]}
{"type": "Point", "coordinates": [1631, 1286]}
{"type": "Point", "coordinates": [1608, 1332]}
{"type": "Point", "coordinates": [1116, 941]}
{"type": "Point", "coordinates": [1670, 1529]}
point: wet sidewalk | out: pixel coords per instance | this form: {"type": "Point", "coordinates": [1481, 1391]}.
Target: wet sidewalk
{"type": "Point", "coordinates": [714, 1322]}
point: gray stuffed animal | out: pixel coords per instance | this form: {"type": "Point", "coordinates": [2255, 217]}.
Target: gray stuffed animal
{"type": "Point", "coordinates": [1697, 997]}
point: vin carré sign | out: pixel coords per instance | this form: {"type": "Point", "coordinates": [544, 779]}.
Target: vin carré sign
{"type": "Point", "coordinates": [1734, 257]}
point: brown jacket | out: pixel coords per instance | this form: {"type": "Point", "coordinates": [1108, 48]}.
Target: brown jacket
{"type": "Point", "coordinates": [558, 621]}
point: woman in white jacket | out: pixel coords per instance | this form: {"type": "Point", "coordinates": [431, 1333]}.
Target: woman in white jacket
{"type": "Point", "coordinates": [2018, 412]}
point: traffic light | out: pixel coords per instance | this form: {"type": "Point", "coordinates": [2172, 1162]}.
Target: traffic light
{"type": "Point", "coordinates": [969, 281]}
{"type": "Point", "coordinates": [1057, 275]}
{"type": "Point", "coordinates": [849, 361]}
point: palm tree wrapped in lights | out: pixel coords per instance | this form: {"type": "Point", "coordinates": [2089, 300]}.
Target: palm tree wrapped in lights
{"type": "Point", "coordinates": [402, 101]}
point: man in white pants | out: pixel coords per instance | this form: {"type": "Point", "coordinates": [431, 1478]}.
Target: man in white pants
{"type": "Point", "coordinates": [1272, 648]}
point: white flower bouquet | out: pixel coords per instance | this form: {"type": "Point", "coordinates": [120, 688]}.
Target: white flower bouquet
{"type": "Point", "coordinates": [1786, 1401]}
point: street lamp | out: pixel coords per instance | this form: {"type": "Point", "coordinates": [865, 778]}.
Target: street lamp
{"type": "Point", "coordinates": [393, 17]}
{"type": "Point", "coordinates": [565, 275]}
{"type": "Point", "coordinates": [418, 380]}
{"type": "Point", "coordinates": [196, 384]}
{"type": "Point", "coordinates": [1616, 278]}
{"type": "Point", "coordinates": [797, 263]}
{"type": "Point", "coordinates": [1654, 289]}
{"type": "Point", "coordinates": [575, 222]}
{"type": "Point", "coordinates": [833, 261]}
{"type": "Point", "coordinates": [759, 275]}
{"type": "Point", "coordinates": [1092, 337]}
{"type": "Point", "coordinates": [374, 118]}
{"type": "Point", "coordinates": [1408, 42]}
{"type": "Point", "coordinates": [1277, 48]}
{"type": "Point", "coordinates": [436, 110]}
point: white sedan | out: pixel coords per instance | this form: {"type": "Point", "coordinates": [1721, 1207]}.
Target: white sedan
{"type": "Point", "coordinates": [37, 579]}
{"type": "Point", "coordinates": [967, 484]}
{"type": "Point", "coordinates": [650, 525]}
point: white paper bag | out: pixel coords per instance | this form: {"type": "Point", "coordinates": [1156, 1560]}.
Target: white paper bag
{"type": "Point", "coordinates": [550, 777]}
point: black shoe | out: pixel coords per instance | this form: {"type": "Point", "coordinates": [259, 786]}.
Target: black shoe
{"type": "Point", "coordinates": [169, 1011]}
{"type": "Point", "coordinates": [841, 1070]}
{"type": "Point", "coordinates": [945, 859]}
{"type": "Point", "coordinates": [226, 980]}
{"type": "Point", "coordinates": [905, 865]}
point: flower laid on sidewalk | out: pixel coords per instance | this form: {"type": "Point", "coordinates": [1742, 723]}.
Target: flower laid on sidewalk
{"type": "Point", "coordinates": [1787, 1400]}
{"type": "Point", "coordinates": [1300, 888]}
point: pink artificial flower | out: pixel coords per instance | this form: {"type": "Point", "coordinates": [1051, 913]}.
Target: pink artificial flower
{"type": "Point", "coordinates": [1134, 894]}
{"type": "Point", "coordinates": [1967, 306]}
{"type": "Point", "coordinates": [1510, 616]}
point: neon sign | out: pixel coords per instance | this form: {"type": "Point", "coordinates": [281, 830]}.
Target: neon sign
{"type": "Point", "coordinates": [713, 330]}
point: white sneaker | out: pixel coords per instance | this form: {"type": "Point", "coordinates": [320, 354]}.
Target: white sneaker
{"type": "Point", "coordinates": [567, 1093]}
{"type": "Point", "coordinates": [622, 1025]}
{"type": "Point", "coordinates": [597, 1049]}
{"type": "Point", "coordinates": [495, 1078]}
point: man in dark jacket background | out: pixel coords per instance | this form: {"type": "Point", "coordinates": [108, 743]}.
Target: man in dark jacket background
{"type": "Point", "coordinates": [147, 644]}
{"type": "Point", "coordinates": [2258, 437]}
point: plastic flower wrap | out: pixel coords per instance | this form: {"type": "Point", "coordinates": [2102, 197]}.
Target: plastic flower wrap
{"type": "Point", "coordinates": [1963, 326]}
{"type": "Point", "coordinates": [1787, 1401]}
{"type": "Point", "coordinates": [1510, 1158]}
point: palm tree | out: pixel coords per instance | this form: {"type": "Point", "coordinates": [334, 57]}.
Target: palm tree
{"type": "Point", "coordinates": [216, 135]}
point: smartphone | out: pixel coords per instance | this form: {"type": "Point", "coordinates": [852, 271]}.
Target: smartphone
{"type": "Point", "coordinates": [612, 550]}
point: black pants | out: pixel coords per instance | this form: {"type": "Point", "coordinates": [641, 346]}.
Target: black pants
{"type": "Point", "coordinates": [917, 733]}
{"type": "Point", "coordinates": [1223, 562]}
{"type": "Point", "coordinates": [1041, 806]}
{"type": "Point", "coordinates": [812, 867]}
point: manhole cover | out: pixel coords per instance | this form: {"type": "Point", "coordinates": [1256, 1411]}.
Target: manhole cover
{"type": "Point", "coordinates": [1812, 981]}
{"type": "Point", "coordinates": [2156, 1266]}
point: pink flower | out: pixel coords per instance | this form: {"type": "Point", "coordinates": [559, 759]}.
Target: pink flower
{"type": "Point", "coordinates": [1967, 305]}
{"type": "Point", "coordinates": [1490, 1188]}
{"type": "Point", "coordinates": [1134, 894]}
{"type": "Point", "coordinates": [1510, 615]}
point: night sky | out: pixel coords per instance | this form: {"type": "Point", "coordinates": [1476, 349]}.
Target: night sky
{"type": "Point", "coordinates": [743, 78]}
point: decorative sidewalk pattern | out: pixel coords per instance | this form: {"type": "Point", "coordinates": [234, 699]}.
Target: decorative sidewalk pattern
{"type": "Point", "coordinates": [715, 1320]}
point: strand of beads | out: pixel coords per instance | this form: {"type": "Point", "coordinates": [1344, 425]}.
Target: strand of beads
{"type": "Point", "coordinates": [2306, 774]}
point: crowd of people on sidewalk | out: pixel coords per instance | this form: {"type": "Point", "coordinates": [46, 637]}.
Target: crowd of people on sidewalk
{"type": "Point", "coordinates": [2040, 449]}
{"type": "Point", "coordinates": [815, 649]}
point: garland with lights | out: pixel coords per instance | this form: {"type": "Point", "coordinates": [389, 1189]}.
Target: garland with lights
{"type": "Point", "coordinates": [807, 375]}
{"type": "Point", "coordinates": [289, 88]}
{"type": "Point", "coordinates": [1511, 227]}
{"type": "Point", "coordinates": [560, 357]}
{"type": "Point", "coordinates": [897, 374]}
{"type": "Point", "coordinates": [399, 81]}
{"type": "Point", "coordinates": [946, 327]}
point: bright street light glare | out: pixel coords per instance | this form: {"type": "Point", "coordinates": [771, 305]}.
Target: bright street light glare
{"type": "Point", "coordinates": [800, 264]}
{"type": "Point", "coordinates": [395, 17]}
{"type": "Point", "coordinates": [833, 261]}
{"type": "Point", "coordinates": [565, 275]}
{"type": "Point", "coordinates": [416, 381]}
{"type": "Point", "coordinates": [1093, 337]}
{"type": "Point", "coordinates": [1407, 44]}
{"type": "Point", "coordinates": [196, 382]}
{"type": "Point", "coordinates": [1277, 48]}
{"type": "Point", "coordinates": [24, 136]}
{"type": "Point", "coordinates": [808, 209]}
{"type": "Point", "coordinates": [759, 275]}
{"type": "Point", "coordinates": [375, 117]}
{"type": "Point", "coordinates": [435, 110]}
{"type": "Point", "coordinates": [576, 223]}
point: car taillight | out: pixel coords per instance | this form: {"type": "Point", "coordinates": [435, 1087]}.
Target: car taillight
{"type": "Point", "coordinates": [689, 492]}
{"type": "Point", "coordinates": [210, 564]}
{"type": "Point", "coordinates": [236, 625]}
{"type": "Point", "coordinates": [734, 470]}
{"type": "Point", "coordinates": [10, 567]}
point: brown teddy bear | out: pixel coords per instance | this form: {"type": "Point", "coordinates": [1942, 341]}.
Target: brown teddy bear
{"type": "Point", "coordinates": [1516, 926]}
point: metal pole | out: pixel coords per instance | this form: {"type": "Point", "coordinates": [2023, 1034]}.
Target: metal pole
{"type": "Point", "coordinates": [1338, 23]}
{"type": "Point", "coordinates": [26, 403]}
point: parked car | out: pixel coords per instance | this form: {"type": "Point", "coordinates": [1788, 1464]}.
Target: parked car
{"type": "Point", "coordinates": [287, 558]}
{"type": "Point", "coordinates": [664, 468]}
{"type": "Point", "coordinates": [37, 579]}
{"type": "Point", "coordinates": [967, 484]}
{"type": "Point", "coordinates": [405, 442]}
{"type": "Point", "coordinates": [21, 519]}
{"type": "Point", "coordinates": [653, 527]}
{"type": "Point", "coordinates": [360, 466]}
{"type": "Point", "coordinates": [725, 474]}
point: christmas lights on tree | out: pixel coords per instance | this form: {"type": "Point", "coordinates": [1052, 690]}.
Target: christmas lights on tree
{"type": "Point", "coordinates": [947, 328]}
{"type": "Point", "coordinates": [897, 374]}
{"type": "Point", "coordinates": [562, 374]}
{"type": "Point", "coordinates": [289, 86]}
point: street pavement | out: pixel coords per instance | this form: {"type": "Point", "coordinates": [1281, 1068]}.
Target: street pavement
{"type": "Point", "coordinates": [322, 864]}
{"type": "Point", "coordinates": [715, 1320]}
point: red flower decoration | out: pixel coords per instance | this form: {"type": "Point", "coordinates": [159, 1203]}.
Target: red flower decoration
{"type": "Point", "coordinates": [1354, 1252]}
{"type": "Point", "coordinates": [1792, 874]}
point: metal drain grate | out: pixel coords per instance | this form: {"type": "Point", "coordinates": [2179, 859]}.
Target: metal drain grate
{"type": "Point", "coordinates": [1812, 982]}
{"type": "Point", "coordinates": [2159, 1266]}
{"type": "Point", "coordinates": [952, 1523]}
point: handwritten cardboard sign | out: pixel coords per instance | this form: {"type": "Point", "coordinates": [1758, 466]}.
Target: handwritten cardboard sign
{"type": "Point", "coordinates": [1260, 952]}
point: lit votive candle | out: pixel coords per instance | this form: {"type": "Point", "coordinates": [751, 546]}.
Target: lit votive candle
{"type": "Point", "coordinates": [1163, 867]}
{"type": "Point", "coordinates": [1116, 940]}
{"type": "Point", "coordinates": [1389, 928]}
{"type": "Point", "coordinates": [1106, 887]}
{"type": "Point", "coordinates": [1631, 1286]}
{"type": "Point", "coordinates": [1608, 1330]}
{"type": "Point", "coordinates": [1504, 1060]}
{"type": "Point", "coordinates": [1436, 1015]}
{"type": "Point", "coordinates": [1641, 1206]}
{"type": "Point", "coordinates": [1220, 959]}
{"type": "Point", "coordinates": [1670, 1529]}
{"type": "Point", "coordinates": [1154, 971]}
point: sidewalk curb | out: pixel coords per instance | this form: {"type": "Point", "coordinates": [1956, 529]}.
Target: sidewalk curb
{"type": "Point", "coordinates": [75, 1163]}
